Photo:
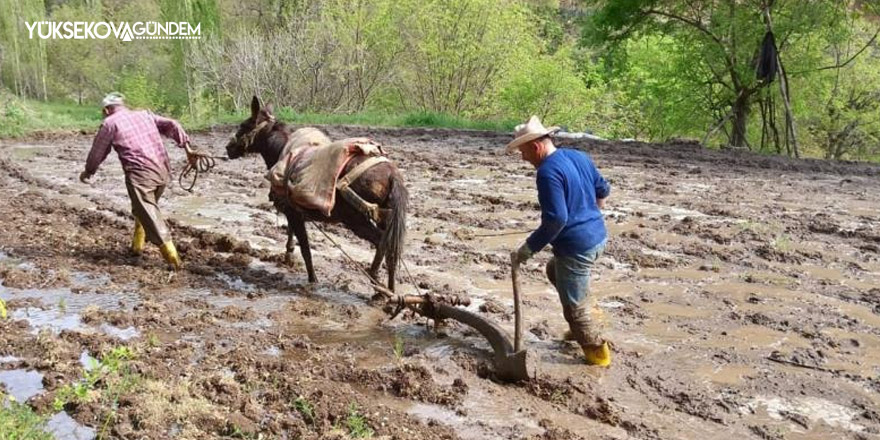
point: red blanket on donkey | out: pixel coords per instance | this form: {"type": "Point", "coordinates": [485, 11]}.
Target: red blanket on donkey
{"type": "Point", "coordinates": [310, 165]}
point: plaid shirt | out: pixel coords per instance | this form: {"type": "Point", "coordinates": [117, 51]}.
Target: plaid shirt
{"type": "Point", "coordinates": [135, 135]}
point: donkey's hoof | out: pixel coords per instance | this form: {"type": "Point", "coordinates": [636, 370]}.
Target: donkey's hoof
{"type": "Point", "coordinates": [290, 260]}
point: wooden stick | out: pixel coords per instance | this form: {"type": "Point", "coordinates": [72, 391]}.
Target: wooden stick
{"type": "Point", "coordinates": [517, 310]}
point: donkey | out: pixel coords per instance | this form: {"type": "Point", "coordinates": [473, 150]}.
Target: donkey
{"type": "Point", "coordinates": [381, 184]}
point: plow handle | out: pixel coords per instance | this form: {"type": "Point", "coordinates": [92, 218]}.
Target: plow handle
{"type": "Point", "coordinates": [517, 308]}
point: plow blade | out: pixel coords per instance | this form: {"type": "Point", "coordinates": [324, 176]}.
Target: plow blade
{"type": "Point", "coordinates": [509, 365]}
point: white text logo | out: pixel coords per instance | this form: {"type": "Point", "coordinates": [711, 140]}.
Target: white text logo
{"type": "Point", "coordinates": [88, 30]}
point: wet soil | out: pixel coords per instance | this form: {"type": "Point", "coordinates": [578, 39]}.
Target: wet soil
{"type": "Point", "coordinates": [741, 294]}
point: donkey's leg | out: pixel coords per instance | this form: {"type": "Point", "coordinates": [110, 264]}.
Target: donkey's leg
{"type": "Point", "coordinates": [377, 262]}
{"type": "Point", "coordinates": [288, 256]}
{"type": "Point", "coordinates": [297, 223]}
{"type": "Point", "coordinates": [392, 273]}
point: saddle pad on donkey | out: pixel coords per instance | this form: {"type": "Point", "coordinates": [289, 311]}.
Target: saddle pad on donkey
{"type": "Point", "coordinates": [310, 166]}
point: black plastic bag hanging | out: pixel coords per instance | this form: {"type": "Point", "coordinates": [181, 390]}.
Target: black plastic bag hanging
{"type": "Point", "coordinates": [767, 59]}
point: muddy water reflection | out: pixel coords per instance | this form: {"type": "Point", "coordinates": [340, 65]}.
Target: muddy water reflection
{"type": "Point", "coordinates": [61, 308]}
{"type": "Point", "coordinates": [63, 427]}
{"type": "Point", "coordinates": [22, 384]}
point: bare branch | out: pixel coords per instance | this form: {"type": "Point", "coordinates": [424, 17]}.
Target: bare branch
{"type": "Point", "coordinates": [845, 63]}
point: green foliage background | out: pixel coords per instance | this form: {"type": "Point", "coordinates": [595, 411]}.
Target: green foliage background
{"type": "Point", "coordinates": [617, 68]}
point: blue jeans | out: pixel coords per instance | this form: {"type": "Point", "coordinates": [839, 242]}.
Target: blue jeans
{"type": "Point", "coordinates": [570, 275]}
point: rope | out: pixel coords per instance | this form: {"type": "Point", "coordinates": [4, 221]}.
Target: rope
{"type": "Point", "coordinates": [379, 288]}
{"type": "Point", "coordinates": [197, 163]}
{"type": "Point", "coordinates": [411, 278]}
{"type": "Point", "coordinates": [373, 281]}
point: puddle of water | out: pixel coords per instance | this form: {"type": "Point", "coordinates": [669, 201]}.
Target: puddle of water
{"type": "Point", "coordinates": [676, 274]}
{"type": "Point", "coordinates": [64, 308]}
{"type": "Point", "coordinates": [813, 408]}
{"type": "Point", "coordinates": [47, 319]}
{"type": "Point", "coordinates": [262, 305]}
{"type": "Point", "coordinates": [123, 334]}
{"type": "Point", "coordinates": [666, 238]}
{"type": "Point", "coordinates": [863, 351]}
{"type": "Point", "coordinates": [611, 304]}
{"type": "Point", "coordinates": [272, 351]}
{"type": "Point", "coordinates": [823, 273]}
{"type": "Point", "coordinates": [88, 362]}
{"type": "Point", "coordinates": [677, 310]}
{"type": "Point", "coordinates": [200, 211]}
{"type": "Point", "coordinates": [726, 374]}
{"type": "Point", "coordinates": [750, 337]}
{"type": "Point", "coordinates": [28, 151]}
{"type": "Point", "coordinates": [236, 283]}
{"type": "Point", "coordinates": [657, 337]}
{"type": "Point", "coordinates": [63, 427]}
{"type": "Point", "coordinates": [741, 291]}
{"type": "Point", "coordinates": [468, 182]}
{"type": "Point", "coordinates": [11, 262]}
{"type": "Point", "coordinates": [654, 210]}
{"type": "Point", "coordinates": [22, 384]}
{"type": "Point", "coordinates": [90, 280]}
{"type": "Point", "coordinates": [496, 420]}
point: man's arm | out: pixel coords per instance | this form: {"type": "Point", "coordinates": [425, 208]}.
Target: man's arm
{"type": "Point", "coordinates": [100, 149]}
{"type": "Point", "coordinates": [554, 211]}
{"type": "Point", "coordinates": [172, 130]}
{"type": "Point", "coordinates": [603, 188]}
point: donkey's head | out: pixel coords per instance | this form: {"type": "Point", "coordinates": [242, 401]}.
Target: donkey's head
{"type": "Point", "coordinates": [246, 138]}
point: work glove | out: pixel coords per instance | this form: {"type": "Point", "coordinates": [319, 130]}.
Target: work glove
{"type": "Point", "coordinates": [521, 255]}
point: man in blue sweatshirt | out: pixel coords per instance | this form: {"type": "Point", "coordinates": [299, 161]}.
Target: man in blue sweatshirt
{"type": "Point", "coordinates": [571, 193]}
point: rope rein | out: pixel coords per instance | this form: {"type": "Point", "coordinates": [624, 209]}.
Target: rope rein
{"type": "Point", "coordinates": [373, 282]}
{"type": "Point", "coordinates": [197, 163]}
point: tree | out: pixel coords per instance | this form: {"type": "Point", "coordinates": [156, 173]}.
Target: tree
{"type": "Point", "coordinates": [725, 36]}
{"type": "Point", "coordinates": [27, 56]}
{"type": "Point", "coordinates": [456, 51]}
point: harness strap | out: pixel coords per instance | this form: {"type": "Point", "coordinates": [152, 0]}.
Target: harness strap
{"type": "Point", "coordinates": [352, 175]}
{"type": "Point", "coordinates": [248, 139]}
{"type": "Point", "coordinates": [371, 210]}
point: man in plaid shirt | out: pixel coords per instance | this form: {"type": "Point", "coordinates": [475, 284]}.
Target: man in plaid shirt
{"type": "Point", "coordinates": [136, 137]}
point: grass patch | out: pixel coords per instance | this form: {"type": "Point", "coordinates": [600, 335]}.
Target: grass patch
{"type": "Point", "coordinates": [305, 408]}
{"type": "Point", "coordinates": [103, 381]}
{"type": "Point", "coordinates": [22, 117]}
{"type": "Point", "coordinates": [398, 347]}
{"type": "Point", "coordinates": [19, 422]}
{"type": "Point", "coordinates": [356, 423]}
{"type": "Point", "coordinates": [18, 118]}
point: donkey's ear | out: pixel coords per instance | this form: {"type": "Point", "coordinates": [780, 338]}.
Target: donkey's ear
{"type": "Point", "coordinates": [255, 106]}
{"type": "Point", "coordinates": [268, 109]}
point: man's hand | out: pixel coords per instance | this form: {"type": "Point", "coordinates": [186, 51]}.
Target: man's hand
{"type": "Point", "coordinates": [191, 156]}
{"type": "Point", "coordinates": [84, 177]}
{"type": "Point", "coordinates": [521, 255]}
{"type": "Point", "coordinates": [601, 203]}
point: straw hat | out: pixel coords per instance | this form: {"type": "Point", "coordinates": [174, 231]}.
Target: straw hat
{"type": "Point", "coordinates": [531, 130]}
{"type": "Point", "coordinates": [113, 98]}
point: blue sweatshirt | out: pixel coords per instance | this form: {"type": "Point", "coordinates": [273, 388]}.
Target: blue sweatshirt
{"type": "Point", "coordinates": [568, 186]}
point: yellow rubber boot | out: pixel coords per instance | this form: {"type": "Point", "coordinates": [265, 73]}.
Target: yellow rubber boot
{"type": "Point", "coordinates": [599, 355]}
{"type": "Point", "coordinates": [169, 253]}
{"type": "Point", "coordinates": [138, 239]}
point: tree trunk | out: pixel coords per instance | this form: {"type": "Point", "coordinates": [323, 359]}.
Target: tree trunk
{"type": "Point", "coordinates": [740, 119]}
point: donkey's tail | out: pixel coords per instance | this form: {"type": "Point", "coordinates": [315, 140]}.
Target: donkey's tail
{"type": "Point", "coordinates": [395, 231]}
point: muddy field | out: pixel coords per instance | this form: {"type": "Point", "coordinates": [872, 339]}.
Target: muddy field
{"type": "Point", "coordinates": [741, 293]}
